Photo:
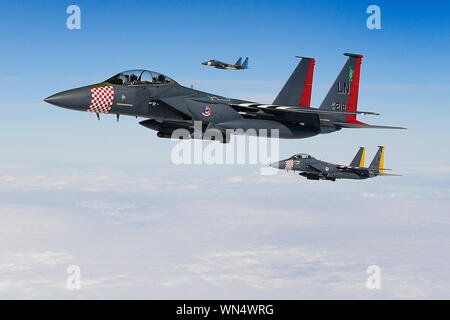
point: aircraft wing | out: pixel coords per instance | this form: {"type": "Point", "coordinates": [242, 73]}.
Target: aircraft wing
{"type": "Point", "coordinates": [221, 64]}
{"type": "Point", "coordinates": [251, 108]}
{"type": "Point", "coordinates": [352, 169]}
{"type": "Point", "coordinates": [272, 108]}
{"type": "Point", "coordinates": [363, 169]}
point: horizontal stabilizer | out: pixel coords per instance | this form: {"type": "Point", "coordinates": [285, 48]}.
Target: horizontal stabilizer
{"type": "Point", "coordinates": [363, 125]}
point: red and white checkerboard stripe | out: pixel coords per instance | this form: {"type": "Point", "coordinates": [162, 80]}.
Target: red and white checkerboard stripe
{"type": "Point", "coordinates": [101, 99]}
{"type": "Point", "coordinates": [289, 164]}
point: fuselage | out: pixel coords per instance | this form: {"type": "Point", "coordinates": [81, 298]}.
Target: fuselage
{"type": "Point", "coordinates": [222, 65]}
{"type": "Point", "coordinates": [165, 100]}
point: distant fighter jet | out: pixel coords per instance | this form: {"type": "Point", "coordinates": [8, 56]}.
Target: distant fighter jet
{"type": "Point", "coordinates": [168, 106]}
{"type": "Point", "coordinates": [314, 169]}
{"type": "Point", "coordinates": [223, 65]}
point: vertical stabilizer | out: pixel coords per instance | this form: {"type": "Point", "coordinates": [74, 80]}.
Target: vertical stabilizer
{"type": "Point", "coordinates": [378, 161]}
{"type": "Point", "coordinates": [245, 64]}
{"type": "Point", "coordinates": [297, 90]}
{"type": "Point", "coordinates": [358, 160]}
{"type": "Point", "coordinates": [343, 94]}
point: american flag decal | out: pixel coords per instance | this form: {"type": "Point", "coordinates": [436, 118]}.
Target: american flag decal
{"type": "Point", "coordinates": [289, 164]}
{"type": "Point", "coordinates": [101, 99]}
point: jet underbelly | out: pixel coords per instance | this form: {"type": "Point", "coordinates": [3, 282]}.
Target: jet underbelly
{"type": "Point", "coordinates": [258, 127]}
{"type": "Point", "coordinates": [348, 175]}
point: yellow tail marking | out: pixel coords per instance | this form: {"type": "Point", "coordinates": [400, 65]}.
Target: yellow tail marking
{"type": "Point", "coordinates": [361, 163]}
{"type": "Point", "coordinates": [382, 161]}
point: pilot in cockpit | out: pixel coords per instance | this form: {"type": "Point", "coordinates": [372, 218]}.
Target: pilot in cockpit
{"type": "Point", "coordinates": [133, 79]}
{"type": "Point", "coordinates": [123, 78]}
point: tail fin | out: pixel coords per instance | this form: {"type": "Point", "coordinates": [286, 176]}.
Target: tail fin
{"type": "Point", "coordinates": [378, 161]}
{"type": "Point", "coordinates": [238, 62]}
{"type": "Point", "coordinates": [245, 64]}
{"type": "Point", "coordinates": [358, 160]}
{"type": "Point", "coordinates": [343, 94]}
{"type": "Point", "coordinates": [297, 90]}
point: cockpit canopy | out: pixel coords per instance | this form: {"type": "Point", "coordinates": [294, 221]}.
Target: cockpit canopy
{"type": "Point", "coordinates": [139, 77]}
{"type": "Point", "coordinates": [301, 156]}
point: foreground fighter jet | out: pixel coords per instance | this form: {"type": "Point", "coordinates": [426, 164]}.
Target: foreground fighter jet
{"type": "Point", "coordinates": [314, 169]}
{"type": "Point", "coordinates": [223, 65]}
{"type": "Point", "coordinates": [168, 105]}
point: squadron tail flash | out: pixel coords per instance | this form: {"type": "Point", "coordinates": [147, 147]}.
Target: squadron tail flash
{"type": "Point", "coordinates": [377, 164]}
{"type": "Point", "coordinates": [343, 96]}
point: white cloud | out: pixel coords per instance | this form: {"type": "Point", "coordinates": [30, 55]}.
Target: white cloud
{"type": "Point", "coordinates": [235, 180]}
{"type": "Point", "coordinates": [265, 267]}
{"type": "Point", "coordinates": [7, 178]}
{"type": "Point", "coordinates": [210, 232]}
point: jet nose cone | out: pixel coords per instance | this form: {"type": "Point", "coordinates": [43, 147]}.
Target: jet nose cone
{"type": "Point", "coordinates": [76, 99]}
{"type": "Point", "coordinates": [204, 63]}
{"type": "Point", "coordinates": [278, 165]}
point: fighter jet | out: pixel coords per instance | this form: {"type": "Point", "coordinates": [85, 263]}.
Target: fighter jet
{"type": "Point", "coordinates": [168, 106]}
{"type": "Point", "coordinates": [314, 169]}
{"type": "Point", "coordinates": [223, 65]}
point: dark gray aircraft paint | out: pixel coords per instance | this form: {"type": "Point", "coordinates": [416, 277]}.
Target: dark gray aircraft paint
{"type": "Point", "coordinates": [302, 79]}
{"type": "Point", "coordinates": [168, 106]}
{"type": "Point", "coordinates": [314, 169]}
{"type": "Point", "coordinates": [227, 66]}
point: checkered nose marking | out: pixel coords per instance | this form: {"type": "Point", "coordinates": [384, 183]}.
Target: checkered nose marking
{"type": "Point", "coordinates": [102, 99]}
{"type": "Point", "coordinates": [289, 165]}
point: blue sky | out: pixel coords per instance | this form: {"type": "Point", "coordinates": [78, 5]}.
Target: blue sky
{"type": "Point", "coordinates": [63, 173]}
{"type": "Point", "coordinates": [403, 77]}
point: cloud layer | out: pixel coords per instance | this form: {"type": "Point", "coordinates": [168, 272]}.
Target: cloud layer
{"type": "Point", "coordinates": [208, 232]}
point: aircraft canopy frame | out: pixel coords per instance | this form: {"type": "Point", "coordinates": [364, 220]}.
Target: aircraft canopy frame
{"type": "Point", "coordinates": [139, 77]}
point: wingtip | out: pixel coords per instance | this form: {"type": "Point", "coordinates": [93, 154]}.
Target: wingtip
{"type": "Point", "coordinates": [302, 57]}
